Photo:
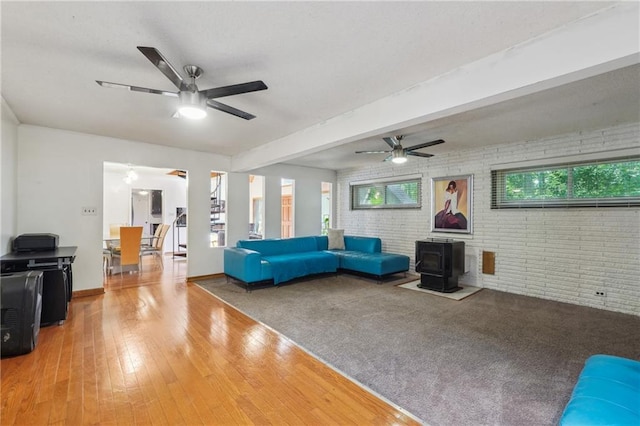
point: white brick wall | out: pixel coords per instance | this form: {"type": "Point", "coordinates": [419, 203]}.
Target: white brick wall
{"type": "Point", "coordinates": [558, 254]}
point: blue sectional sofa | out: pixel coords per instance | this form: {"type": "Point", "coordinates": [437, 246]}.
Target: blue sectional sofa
{"type": "Point", "coordinates": [607, 393]}
{"type": "Point", "coordinates": [280, 260]}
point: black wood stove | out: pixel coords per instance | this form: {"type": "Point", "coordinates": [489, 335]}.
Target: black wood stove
{"type": "Point", "coordinates": [439, 262]}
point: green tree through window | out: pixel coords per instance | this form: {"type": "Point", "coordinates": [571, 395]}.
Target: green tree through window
{"type": "Point", "coordinates": [604, 183]}
{"type": "Point", "coordinates": [399, 194]}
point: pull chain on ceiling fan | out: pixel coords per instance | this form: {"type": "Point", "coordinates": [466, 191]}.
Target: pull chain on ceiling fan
{"type": "Point", "coordinates": [192, 102]}
{"type": "Point", "coordinates": [398, 154]}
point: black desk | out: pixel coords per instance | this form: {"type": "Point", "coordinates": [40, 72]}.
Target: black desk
{"type": "Point", "coordinates": [57, 285]}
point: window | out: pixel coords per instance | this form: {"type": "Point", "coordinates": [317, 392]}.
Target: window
{"type": "Point", "coordinates": [256, 207]}
{"type": "Point", "coordinates": [327, 189]}
{"type": "Point", "coordinates": [287, 206]}
{"type": "Point", "coordinates": [602, 183]}
{"type": "Point", "coordinates": [218, 214]}
{"type": "Point", "coordinates": [405, 193]}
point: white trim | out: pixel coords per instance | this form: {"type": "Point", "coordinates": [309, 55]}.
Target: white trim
{"type": "Point", "coordinates": [387, 179]}
{"type": "Point", "coordinates": [550, 161]}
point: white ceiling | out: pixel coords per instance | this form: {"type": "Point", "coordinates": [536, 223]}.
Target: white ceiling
{"type": "Point", "coordinates": [320, 60]}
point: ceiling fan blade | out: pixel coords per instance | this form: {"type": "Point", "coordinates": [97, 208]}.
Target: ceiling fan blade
{"type": "Point", "coordinates": [229, 110]}
{"type": "Point", "coordinates": [424, 145]}
{"type": "Point", "coordinates": [234, 89]}
{"type": "Point", "coordinates": [372, 152]}
{"type": "Point", "coordinates": [392, 141]}
{"type": "Point", "coordinates": [164, 66]}
{"type": "Point", "coordinates": [418, 154]}
{"type": "Point", "coordinates": [389, 158]}
{"type": "Point", "coordinates": [136, 88]}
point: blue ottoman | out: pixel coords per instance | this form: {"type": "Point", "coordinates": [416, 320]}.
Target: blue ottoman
{"type": "Point", "coordinates": [607, 393]}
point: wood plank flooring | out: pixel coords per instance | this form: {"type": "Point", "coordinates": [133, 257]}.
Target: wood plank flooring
{"type": "Point", "coordinates": [156, 350]}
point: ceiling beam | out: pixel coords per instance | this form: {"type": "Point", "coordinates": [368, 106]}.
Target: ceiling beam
{"type": "Point", "coordinates": [604, 41]}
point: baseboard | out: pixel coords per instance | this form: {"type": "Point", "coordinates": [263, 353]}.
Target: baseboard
{"type": "Point", "coordinates": [205, 277]}
{"type": "Point", "coordinates": [86, 293]}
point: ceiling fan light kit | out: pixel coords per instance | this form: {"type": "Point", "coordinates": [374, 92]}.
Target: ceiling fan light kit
{"type": "Point", "coordinates": [192, 103]}
{"type": "Point", "coordinates": [398, 154]}
{"type": "Point", "coordinates": [130, 176]}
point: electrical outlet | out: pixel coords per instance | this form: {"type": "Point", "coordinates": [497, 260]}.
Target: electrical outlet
{"type": "Point", "coordinates": [89, 211]}
{"type": "Point", "coordinates": [601, 293]}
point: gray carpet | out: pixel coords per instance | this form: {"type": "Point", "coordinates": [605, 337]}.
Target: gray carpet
{"type": "Point", "coordinates": [491, 359]}
{"type": "Point", "coordinates": [464, 291]}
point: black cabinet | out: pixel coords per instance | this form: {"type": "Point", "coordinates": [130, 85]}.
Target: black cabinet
{"type": "Point", "coordinates": [57, 283]}
{"type": "Point", "coordinates": [156, 202]}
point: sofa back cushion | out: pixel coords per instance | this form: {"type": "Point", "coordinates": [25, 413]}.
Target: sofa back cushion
{"type": "Point", "coordinates": [276, 246]}
{"type": "Point", "coordinates": [363, 244]}
{"type": "Point", "coordinates": [322, 242]}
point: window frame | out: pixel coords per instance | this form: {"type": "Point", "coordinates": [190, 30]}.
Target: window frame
{"type": "Point", "coordinates": [499, 186]}
{"type": "Point", "coordinates": [385, 183]}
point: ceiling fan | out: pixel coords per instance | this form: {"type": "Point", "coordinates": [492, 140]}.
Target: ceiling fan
{"type": "Point", "coordinates": [398, 154]}
{"type": "Point", "coordinates": [192, 102]}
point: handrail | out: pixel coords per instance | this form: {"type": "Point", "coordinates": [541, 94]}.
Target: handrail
{"type": "Point", "coordinates": [173, 230]}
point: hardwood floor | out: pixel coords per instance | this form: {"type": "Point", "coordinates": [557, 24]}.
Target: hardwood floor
{"type": "Point", "coordinates": [156, 350]}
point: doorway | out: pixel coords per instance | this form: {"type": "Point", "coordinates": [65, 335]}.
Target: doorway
{"type": "Point", "coordinates": [146, 209]}
{"type": "Point", "coordinates": [287, 209]}
{"type": "Point", "coordinates": [144, 196]}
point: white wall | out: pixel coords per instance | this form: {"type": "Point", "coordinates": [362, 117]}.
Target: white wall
{"type": "Point", "coordinates": [59, 172]}
{"type": "Point", "coordinates": [117, 200]}
{"type": "Point", "coordinates": [272, 206]}
{"type": "Point", "coordinates": [8, 184]}
{"type": "Point", "coordinates": [237, 208]}
{"type": "Point", "coordinates": [307, 197]}
{"type": "Point", "coordinates": [558, 254]}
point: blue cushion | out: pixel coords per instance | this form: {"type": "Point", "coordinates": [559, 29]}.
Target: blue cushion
{"type": "Point", "coordinates": [322, 242]}
{"type": "Point", "coordinates": [286, 267]}
{"type": "Point", "coordinates": [244, 264]}
{"type": "Point", "coordinates": [363, 244]}
{"type": "Point", "coordinates": [372, 263]}
{"type": "Point", "coordinates": [277, 246]}
{"type": "Point", "coordinates": [607, 393]}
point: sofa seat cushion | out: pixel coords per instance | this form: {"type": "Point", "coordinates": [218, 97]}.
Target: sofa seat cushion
{"type": "Point", "coordinates": [363, 244]}
{"type": "Point", "coordinates": [607, 393]}
{"type": "Point", "coordinates": [285, 267]}
{"type": "Point", "coordinates": [246, 265]}
{"type": "Point", "coordinates": [378, 264]}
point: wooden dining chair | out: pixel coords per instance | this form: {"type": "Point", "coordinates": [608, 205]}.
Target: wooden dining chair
{"type": "Point", "coordinates": [156, 249]}
{"type": "Point", "coordinates": [128, 253]}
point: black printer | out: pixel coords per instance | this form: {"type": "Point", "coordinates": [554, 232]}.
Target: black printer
{"type": "Point", "coordinates": [35, 242]}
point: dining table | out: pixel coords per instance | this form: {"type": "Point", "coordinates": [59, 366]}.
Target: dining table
{"type": "Point", "coordinates": [111, 243]}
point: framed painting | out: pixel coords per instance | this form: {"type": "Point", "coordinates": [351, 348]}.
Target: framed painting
{"type": "Point", "coordinates": [451, 204]}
